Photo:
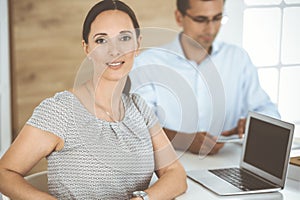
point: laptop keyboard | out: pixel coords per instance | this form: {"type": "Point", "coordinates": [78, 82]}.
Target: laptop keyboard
{"type": "Point", "coordinates": [241, 179]}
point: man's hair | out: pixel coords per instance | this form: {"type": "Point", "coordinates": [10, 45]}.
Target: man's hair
{"type": "Point", "coordinates": [183, 5]}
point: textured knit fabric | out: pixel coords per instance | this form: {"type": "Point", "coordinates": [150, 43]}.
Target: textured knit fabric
{"type": "Point", "coordinates": [100, 159]}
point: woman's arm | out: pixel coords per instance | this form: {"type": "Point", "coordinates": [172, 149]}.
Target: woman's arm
{"type": "Point", "coordinates": [171, 174]}
{"type": "Point", "coordinates": [30, 146]}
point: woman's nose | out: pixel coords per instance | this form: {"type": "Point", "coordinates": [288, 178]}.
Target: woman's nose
{"type": "Point", "coordinates": [113, 49]}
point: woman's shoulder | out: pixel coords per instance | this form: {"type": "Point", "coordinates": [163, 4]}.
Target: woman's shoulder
{"type": "Point", "coordinates": [65, 95]}
{"type": "Point", "coordinates": [62, 96]}
{"type": "Point", "coordinates": [58, 100]}
{"type": "Point", "coordinates": [133, 100]}
{"type": "Point", "coordinates": [137, 101]}
{"type": "Point", "coordinates": [134, 97]}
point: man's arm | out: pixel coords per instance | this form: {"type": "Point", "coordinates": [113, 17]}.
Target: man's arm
{"type": "Point", "coordinates": [200, 142]}
{"type": "Point", "coordinates": [255, 97]}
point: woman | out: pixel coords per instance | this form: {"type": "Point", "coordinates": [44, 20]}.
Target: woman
{"type": "Point", "coordinates": [99, 142]}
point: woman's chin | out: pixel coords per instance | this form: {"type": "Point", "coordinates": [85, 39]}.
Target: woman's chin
{"type": "Point", "coordinates": [115, 77]}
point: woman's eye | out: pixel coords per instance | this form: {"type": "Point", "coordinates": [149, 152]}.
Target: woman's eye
{"type": "Point", "coordinates": [125, 38]}
{"type": "Point", "coordinates": [101, 41]}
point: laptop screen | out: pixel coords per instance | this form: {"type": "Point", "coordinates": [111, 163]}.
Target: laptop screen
{"type": "Point", "coordinates": [267, 146]}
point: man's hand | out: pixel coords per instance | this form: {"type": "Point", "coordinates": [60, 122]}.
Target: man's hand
{"type": "Point", "coordinates": [198, 143]}
{"type": "Point", "coordinates": [205, 144]}
{"type": "Point", "coordinates": [239, 129]}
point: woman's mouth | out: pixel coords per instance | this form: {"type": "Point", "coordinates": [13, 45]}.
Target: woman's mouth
{"type": "Point", "coordinates": [115, 64]}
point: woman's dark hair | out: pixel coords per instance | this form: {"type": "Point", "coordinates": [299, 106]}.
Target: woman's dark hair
{"type": "Point", "coordinates": [183, 5]}
{"type": "Point", "coordinates": [104, 6]}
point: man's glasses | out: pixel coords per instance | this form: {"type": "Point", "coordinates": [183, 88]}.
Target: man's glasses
{"type": "Point", "coordinates": [205, 20]}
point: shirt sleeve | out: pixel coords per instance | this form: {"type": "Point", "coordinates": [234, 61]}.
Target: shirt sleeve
{"type": "Point", "coordinates": [257, 99]}
{"type": "Point", "coordinates": [142, 81]}
{"type": "Point", "coordinates": [148, 114]}
{"type": "Point", "coordinates": [50, 116]}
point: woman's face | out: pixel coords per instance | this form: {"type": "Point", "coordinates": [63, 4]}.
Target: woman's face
{"type": "Point", "coordinates": [112, 45]}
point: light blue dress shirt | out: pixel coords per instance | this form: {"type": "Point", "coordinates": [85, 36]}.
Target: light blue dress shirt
{"type": "Point", "coordinates": [211, 96]}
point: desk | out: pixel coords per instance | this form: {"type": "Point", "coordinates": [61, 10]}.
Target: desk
{"type": "Point", "coordinates": [229, 155]}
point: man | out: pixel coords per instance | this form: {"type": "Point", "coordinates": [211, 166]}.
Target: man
{"type": "Point", "coordinates": [218, 83]}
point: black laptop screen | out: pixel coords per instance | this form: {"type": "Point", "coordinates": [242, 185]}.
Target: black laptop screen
{"type": "Point", "coordinates": [266, 146]}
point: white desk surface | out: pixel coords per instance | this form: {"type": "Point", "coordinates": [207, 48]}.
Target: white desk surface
{"type": "Point", "coordinates": [229, 155]}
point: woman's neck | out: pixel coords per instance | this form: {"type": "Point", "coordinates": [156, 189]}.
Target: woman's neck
{"type": "Point", "coordinates": [106, 98]}
{"type": "Point", "coordinates": [107, 93]}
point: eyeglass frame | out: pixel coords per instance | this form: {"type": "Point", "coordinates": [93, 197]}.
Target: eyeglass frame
{"type": "Point", "coordinates": [205, 20]}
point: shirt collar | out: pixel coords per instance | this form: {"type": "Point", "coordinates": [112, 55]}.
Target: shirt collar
{"type": "Point", "coordinates": [216, 46]}
{"type": "Point", "coordinates": [176, 47]}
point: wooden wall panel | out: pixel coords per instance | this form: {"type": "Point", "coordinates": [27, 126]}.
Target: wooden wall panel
{"type": "Point", "coordinates": [46, 45]}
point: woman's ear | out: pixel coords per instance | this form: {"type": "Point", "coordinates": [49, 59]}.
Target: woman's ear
{"type": "Point", "coordinates": [85, 47]}
{"type": "Point", "coordinates": [178, 17]}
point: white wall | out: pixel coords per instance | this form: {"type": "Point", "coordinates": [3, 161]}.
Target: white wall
{"type": "Point", "coordinates": [5, 108]}
{"type": "Point", "coordinates": [232, 31]}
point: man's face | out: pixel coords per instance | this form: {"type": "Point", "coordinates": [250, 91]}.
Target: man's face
{"type": "Point", "coordinates": [202, 21]}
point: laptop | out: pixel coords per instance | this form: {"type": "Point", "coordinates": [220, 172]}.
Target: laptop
{"type": "Point", "coordinates": [264, 162]}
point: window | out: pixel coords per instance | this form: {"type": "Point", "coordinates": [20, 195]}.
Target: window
{"type": "Point", "coordinates": [5, 112]}
{"type": "Point", "coordinates": [271, 37]}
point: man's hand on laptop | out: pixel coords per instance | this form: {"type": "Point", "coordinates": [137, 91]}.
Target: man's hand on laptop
{"type": "Point", "coordinates": [198, 143]}
{"type": "Point", "coordinates": [238, 130]}
{"type": "Point", "coordinates": [205, 144]}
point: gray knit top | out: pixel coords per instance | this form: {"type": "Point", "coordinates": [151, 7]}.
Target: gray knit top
{"type": "Point", "coordinates": [100, 159]}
